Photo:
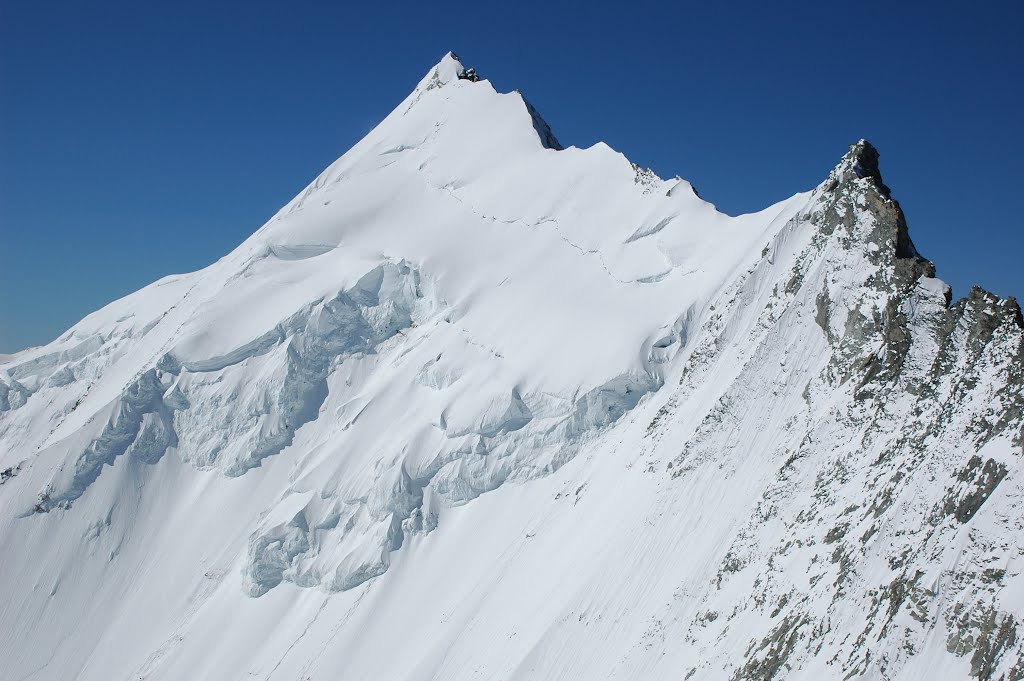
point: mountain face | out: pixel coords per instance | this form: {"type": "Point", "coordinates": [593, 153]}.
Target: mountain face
{"type": "Point", "coordinates": [477, 406]}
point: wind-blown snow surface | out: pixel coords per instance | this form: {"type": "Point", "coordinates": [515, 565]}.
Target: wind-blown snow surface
{"type": "Point", "coordinates": [476, 406]}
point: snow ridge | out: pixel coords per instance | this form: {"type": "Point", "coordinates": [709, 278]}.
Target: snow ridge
{"type": "Point", "coordinates": [476, 404]}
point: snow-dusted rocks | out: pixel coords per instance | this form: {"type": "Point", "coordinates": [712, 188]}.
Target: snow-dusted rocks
{"type": "Point", "coordinates": [475, 405]}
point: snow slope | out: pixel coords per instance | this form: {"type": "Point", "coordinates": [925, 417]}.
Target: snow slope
{"type": "Point", "coordinates": [473, 405]}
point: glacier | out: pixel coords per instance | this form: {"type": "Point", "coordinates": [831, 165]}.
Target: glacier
{"type": "Point", "coordinates": [475, 405]}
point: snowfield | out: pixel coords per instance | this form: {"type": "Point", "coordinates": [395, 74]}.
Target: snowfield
{"type": "Point", "coordinates": [477, 406]}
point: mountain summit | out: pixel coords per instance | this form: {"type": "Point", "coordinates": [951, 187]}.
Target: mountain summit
{"type": "Point", "coordinates": [475, 405]}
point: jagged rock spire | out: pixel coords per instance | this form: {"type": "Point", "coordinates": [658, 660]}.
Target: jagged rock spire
{"type": "Point", "coordinates": [861, 161]}
{"type": "Point", "coordinates": [856, 184]}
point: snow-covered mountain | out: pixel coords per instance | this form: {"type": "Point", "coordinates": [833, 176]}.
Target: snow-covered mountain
{"type": "Point", "coordinates": [477, 406]}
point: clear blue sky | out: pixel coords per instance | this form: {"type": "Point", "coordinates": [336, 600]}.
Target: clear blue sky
{"type": "Point", "coordinates": [140, 139]}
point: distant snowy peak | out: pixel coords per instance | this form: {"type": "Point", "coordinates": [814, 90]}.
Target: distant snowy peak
{"type": "Point", "coordinates": [530, 412]}
{"type": "Point", "coordinates": [448, 70]}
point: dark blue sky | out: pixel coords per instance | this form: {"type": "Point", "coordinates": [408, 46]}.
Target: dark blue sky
{"type": "Point", "coordinates": [142, 139]}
